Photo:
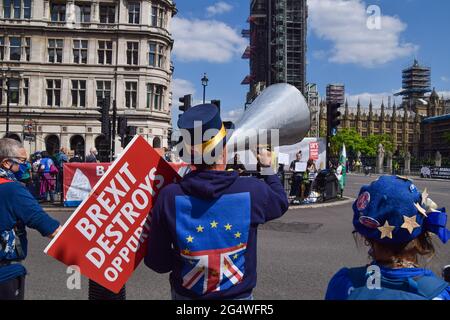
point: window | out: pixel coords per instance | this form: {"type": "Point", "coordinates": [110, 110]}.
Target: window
{"type": "Point", "coordinates": [388, 125]}
{"type": "Point", "coordinates": [152, 53]}
{"type": "Point", "coordinates": [78, 93]}
{"type": "Point", "coordinates": [107, 13]}
{"type": "Point", "coordinates": [131, 94]}
{"type": "Point", "coordinates": [132, 53]}
{"type": "Point", "coordinates": [103, 91]}
{"type": "Point", "coordinates": [17, 9]}
{"type": "Point", "coordinates": [161, 56]}
{"type": "Point", "coordinates": [14, 90]}
{"type": "Point", "coordinates": [58, 12]}
{"type": "Point", "coordinates": [80, 51]}
{"type": "Point", "coordinates": [134, 12]}
{"type": "Point", "coordinates": [25, 91]}
{"type": "Point", "coordinates": [156, 55]}
{"type": "Point", "coordinates": [54, 93]}
{"type": "Point", "coordinates": [161, 18]}
{"type": "Point", "coordinates": [154, 20]}
{"type": "Point", "coordinates": [400, 126]}
{"type": "Point", "coordinates": [105, 52]}
{"type": "Point", "coordinates": [14, 48]}
{"type": "Point", "coordinates": [155, 96]}
{"type": "Point", "coordinates": [2, 48]}
{"type": "Point", "coordinates": [399, 137]}
{"type": "Point", "coordinates": [84, 14]}
{"type": "Point", "coordinates": [55, 50]}
{"type": "Point", "coordinates": [27, 9]}
{"type": "Point", "coordinates": [26, 44]}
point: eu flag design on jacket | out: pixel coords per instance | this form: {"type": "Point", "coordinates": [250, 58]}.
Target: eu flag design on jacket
{"type": "Point", "coordinates": [213, 236]}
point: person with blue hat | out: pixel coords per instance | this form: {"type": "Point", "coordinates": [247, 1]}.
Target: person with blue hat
{"type": "Point", "coordinates": [396, 221]}
{"type": "Point", "coordinates": [204, 228]}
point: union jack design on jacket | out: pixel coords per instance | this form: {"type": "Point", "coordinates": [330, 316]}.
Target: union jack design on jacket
{"type": "Point", "coordinates": [212, 237]}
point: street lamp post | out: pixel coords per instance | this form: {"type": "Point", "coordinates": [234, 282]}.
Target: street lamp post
{"type": "Point", "coordinates": [204, 84]}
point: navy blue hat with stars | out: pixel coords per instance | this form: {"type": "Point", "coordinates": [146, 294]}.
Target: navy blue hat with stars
{"type": "Point", "coordinates": [392, 210]}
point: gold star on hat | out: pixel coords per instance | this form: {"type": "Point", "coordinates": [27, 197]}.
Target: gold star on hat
{"type": "Point", "coordinates": [424, 196]}
{"type": "Point", "coordinates": [386, 230]}
{"type": "Point", "coordinates": [420, 209]}
{"type": "Point", "coordinates": [410, 224]}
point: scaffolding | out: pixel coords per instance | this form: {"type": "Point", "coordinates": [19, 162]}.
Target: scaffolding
{"type": "Point", "coordinates": [416, 83]}
{"type": "Point", "coordinates": [277, 50]}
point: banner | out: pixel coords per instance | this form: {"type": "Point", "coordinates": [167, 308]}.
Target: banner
{"type": "Point", "coordinates": [79, 179]}
{"type": "Point", "coordinates": [314, 151]}
{"type": "Point", "coordinates": [106, 236]}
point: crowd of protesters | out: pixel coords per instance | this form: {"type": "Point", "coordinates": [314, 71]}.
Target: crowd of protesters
{"type": "Point", "coordinates": [42, 173]}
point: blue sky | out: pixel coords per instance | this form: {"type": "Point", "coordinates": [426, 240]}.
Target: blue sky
{"type": "Point", "coordinates": [341, 48]}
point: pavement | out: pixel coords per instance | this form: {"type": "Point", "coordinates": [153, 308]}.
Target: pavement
{"type": "Point", "coordinates": [297, 254]}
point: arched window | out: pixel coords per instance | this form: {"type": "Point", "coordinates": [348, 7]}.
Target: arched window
{"type": "Point", "coordinates": [156, 142]}
{"type": "Point", "coordinates": [77, 144]}
{"type": "Point", "coordinates": [52, 144]}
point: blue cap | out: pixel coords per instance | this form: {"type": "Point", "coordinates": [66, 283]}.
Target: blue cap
{"type": "Point", "coordinates": [392, 210]}
{"type": "Point", "coordinates": [203, 118]}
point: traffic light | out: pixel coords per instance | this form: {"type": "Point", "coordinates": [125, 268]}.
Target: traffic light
{"type": "Point", "coordinates": [122, 129]}
{"type": "Point", "coordinates": [216, 103]}
{"type": "Point", "coordinates": [104, 119]}
{"type": "Point", "coordinates": [333, 118]}
{"type": "Point", "coordinates": [185, 102]}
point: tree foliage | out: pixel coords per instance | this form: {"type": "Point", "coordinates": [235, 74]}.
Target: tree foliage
{"type": "Point", "coordinates": [354, 142]}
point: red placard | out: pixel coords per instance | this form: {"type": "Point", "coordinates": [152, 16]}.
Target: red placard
{"type": "Point", "coordinates": [106, 236]}
{"type": "Point", "coordinates": [314, 150]}
{"type": "Point", "coordinates": [79, 178]}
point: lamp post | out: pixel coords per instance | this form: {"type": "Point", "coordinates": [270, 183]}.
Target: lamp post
{"type": "Point", "coordinates": [204, 84]}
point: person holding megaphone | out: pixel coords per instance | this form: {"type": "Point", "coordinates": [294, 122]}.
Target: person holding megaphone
{"type": "Point", "coordinates": [204, 228]}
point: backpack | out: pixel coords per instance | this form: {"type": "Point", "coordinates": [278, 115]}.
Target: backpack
{"type": "Point", "coordinates": [425, 287]}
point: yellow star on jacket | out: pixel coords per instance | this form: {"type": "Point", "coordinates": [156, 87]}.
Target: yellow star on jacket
{"type": "Point", "coordinates": [190, 239]}
{"type": "Point", "coordinates": [410, 224]}
{"type": "Point", "coordinates": [214, 224]}
{"type": "Point", "coordinates": [200, 229]}
{"type": "Point", "coordinates": [386, 230]}
{"type": "Point", "coordinates": [228, 226]}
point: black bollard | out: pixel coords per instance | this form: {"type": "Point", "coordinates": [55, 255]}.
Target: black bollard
{"type": "Point", "coordinates": [97, 292]}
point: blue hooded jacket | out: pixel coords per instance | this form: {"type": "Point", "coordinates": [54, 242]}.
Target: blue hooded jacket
{"type": "Point", "coordinates": [18, 208]}
{"type": "Point", "coordinates": [204, 231]}
{"type": "Point", "coordinates": [340, 286]}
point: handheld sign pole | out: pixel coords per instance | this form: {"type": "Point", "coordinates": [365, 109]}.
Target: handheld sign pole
{"type": "Point", "coordinates": [106, 237]}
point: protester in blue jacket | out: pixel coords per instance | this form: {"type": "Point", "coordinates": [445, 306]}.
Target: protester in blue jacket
{"type": "Point", "coordinates": [18, 209]}
{"type": "Point", "coordinates": [396, 221]}
{"type": "Point", "coordinates": [203, 229]}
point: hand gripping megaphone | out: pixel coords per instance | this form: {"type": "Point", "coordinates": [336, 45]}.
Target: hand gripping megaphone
{"type": "Point", "coordinates": [279, 108]}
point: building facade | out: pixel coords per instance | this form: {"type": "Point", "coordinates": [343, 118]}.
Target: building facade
{"type": "Point", "coordinates": [405, 126]}
{"type": "Point", "coordinates": [277, 50]}
{"type": "Point", "coordinates": [59, 59]}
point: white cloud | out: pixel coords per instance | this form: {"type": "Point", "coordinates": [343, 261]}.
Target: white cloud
{"type": "Point", "coordinates": [344, 23]}
{"type": "Point", "coordinates": [205, 40]}
{"type": "Point", "coordinates": [445, 79]}
{"type": "Point", "coordinates": [377, 99]}
{"type": "Point", "coordinates": [233, 115]}
{"type": "Point", "coordinates": [219, 8]}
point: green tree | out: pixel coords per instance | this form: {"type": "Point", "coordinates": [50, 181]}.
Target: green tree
{"type": "Point", "coordinates": [353, 141]}
{"type": "Point", "coordinates": [371, 143]}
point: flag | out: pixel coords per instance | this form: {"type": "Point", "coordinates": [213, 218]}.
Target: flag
{"type": "Point", "coordinates": [342, 169]}
{"type": "Point", "coordinates": [212, 237]}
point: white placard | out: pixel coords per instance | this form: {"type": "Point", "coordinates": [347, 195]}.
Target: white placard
{"type": "Point", "coordinates": [283, 158]}
{"type": "Point", "coordinates": [300, 166]}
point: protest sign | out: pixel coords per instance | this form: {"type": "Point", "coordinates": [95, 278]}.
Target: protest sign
{"type": "Point", "coordinates": [314, 150]}
{"type": "Point", "coordinates": [106, 236]}
{"type": "Point", "coordinates": [79, 179]}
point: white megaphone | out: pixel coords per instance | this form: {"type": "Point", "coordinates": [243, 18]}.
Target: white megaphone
{"type": "Point", "coordinates": [281, 108]}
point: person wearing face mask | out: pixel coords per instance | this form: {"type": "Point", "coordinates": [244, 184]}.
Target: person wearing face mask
{"type": "Point", "coordinates": [18, 210]}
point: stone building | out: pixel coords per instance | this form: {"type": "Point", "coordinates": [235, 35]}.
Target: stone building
{"type": "Point", "coordinates": [59, 59]}
{"type": "Point", "coordinates": [405, 127]}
